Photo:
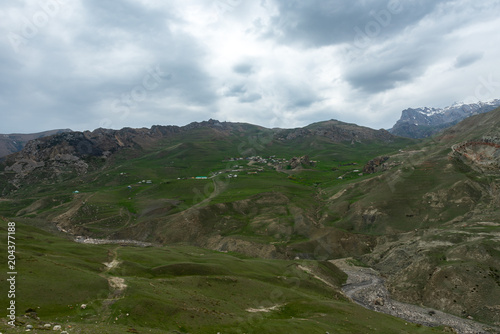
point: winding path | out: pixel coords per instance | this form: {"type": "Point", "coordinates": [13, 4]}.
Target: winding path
{"type": "Point", "coordinates": [116, 284]}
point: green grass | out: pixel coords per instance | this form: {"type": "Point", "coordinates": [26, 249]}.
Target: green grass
{"type": "Point", "coordinates": [178, 289]}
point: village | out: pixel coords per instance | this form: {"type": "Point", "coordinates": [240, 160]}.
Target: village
{"type": "Point", "coordinates": [253, 165]}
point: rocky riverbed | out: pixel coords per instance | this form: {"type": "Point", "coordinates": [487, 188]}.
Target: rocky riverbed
{"type": "Point", "coordinates": [366, 287]}
{"type": "Point", "coordinates": [85, 240]}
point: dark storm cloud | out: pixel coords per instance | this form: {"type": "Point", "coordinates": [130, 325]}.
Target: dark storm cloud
{"type": "Point", "coordinates": [317, 23]}
{"type": "Point", "coordinates": [376, 75]}
{"type": "Point", "coordinates": [71, 78]}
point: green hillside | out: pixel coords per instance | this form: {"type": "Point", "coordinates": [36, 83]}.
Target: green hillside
{"type": "Point", "coordinates": [177, 289]}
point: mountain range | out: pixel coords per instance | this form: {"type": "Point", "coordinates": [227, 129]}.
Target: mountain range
{"type": "Point", "coordinates": [414, 123]}
{"type": "Point", "coordinates": [224, 208]}
{"type": "Point", "coordinates": [425, 122]}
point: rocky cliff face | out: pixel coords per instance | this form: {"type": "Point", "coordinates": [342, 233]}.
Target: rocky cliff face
{"type": "Point", "coordinates": [12, 143]}
{"type": "Point", "coordinates": [424, 122]}
{"type": "Point", "coordinates": [69, 153]}
{"type": "Point", "coordinates": [454, 270]}
{"type": "Point", "coordinates": [482, 155]}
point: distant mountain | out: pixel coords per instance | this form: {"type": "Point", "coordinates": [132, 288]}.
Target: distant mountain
{"type": "Point", "coordinates": [11, 143]}
{"type": "Point", "coordinates": [337, 131]}
{"type": "Point", "coordinates": [424, 122]}
{"type": "Point", "coordinates": [72, 151]}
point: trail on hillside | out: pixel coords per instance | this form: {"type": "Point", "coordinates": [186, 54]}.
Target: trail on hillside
{"type": "Point", "coordinates": [367, 288]}
{"type": "Point", "coordinates": [219, 187]}
{"type": "Point", "coordinates": [116, 284]}
{"type": "Point", "coordinates": [75, 205]}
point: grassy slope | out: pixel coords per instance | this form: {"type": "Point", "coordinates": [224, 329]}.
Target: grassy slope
{"type": "Point", "coordinates": [110, 205]}
{"type": "Point", "coordinates": [182, 289]}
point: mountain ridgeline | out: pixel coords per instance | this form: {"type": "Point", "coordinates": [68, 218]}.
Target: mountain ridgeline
{"type": "Point", "coordinates": [77, 153]}
{"type": "Point", "coordinates": [425, 122]}
{"type": "Point", "coordinates": [11, 143]}
{"type": "Point", "coordinates": [424, 213]}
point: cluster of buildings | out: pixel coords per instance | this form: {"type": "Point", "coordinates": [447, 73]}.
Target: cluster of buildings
{"type": "Point", "coordinates": [272, 160]}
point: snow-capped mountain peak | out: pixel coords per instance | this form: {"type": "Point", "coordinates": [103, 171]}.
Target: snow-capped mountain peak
{"type": "Point", "coordinates": [414, 120]}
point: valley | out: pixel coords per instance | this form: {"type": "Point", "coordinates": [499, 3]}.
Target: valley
{"type": "Point", "coordinates": [197, 225]}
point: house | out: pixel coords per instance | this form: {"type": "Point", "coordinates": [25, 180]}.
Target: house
{"type": "Point", "coordinates": [201, 177]}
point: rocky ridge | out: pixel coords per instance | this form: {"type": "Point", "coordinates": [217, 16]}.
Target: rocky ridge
{"type": "Point", "coordinates": [12, 143]}
{"type": "Point", "coordinates": [336, 131]}
{"type": "Point", "coordinates": [424, 122]}
{"type": "Point", "coordinates": [71, 153]}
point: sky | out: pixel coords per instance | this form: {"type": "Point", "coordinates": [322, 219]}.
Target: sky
{"type": "Point", "coordinates": [85, 64]}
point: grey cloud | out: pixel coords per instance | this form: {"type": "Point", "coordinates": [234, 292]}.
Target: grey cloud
{"type": "Point", "coordinates": [298, 96]}
{"type": "Point", "coordinates": [190, 82]}
{"type": "Point", "coordinates": [236, 90]}
{"type": "Point", "coordinates": [242, 93]}
{"type": "Point", "coordinates": [249, 98]}
{"type": "Point", "coordinates": [318, 23]}
{"type": "Point", "coordinates": [243, 69]}
{"type": "Point", "coordinates": [376, 77]}
{"type": "Point", "coordinates": [126, 15]}
{"type": "Point", "coordinates": [399, 61]}
{"type": "Point", "coordinates": [71, 79]}
{"type": "Point", "coordinates": [65, 74]}
{"type": "Point", "coordinates": [111, 24]}
{"type": "Point", "coordinates": [467, 59]}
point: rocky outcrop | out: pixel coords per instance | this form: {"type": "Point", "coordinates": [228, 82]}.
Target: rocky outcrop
{"type": "Point", "coordinates": [375, 165]}
{"type": "Point", "coordinates": [12, 143]}
{"type": "Point", "coordinates": [301, 162]}
{"type": "Point", "coordinates": [482, 155]}
{"type": "Point", "coordinates": [71, 152]}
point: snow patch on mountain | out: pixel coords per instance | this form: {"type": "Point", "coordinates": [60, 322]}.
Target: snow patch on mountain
{"type": "Point", "coordinates": [425, 121]}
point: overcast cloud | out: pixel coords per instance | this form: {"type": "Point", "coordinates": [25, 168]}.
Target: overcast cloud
{"type": "Point", "coordinates": [86, 64]}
